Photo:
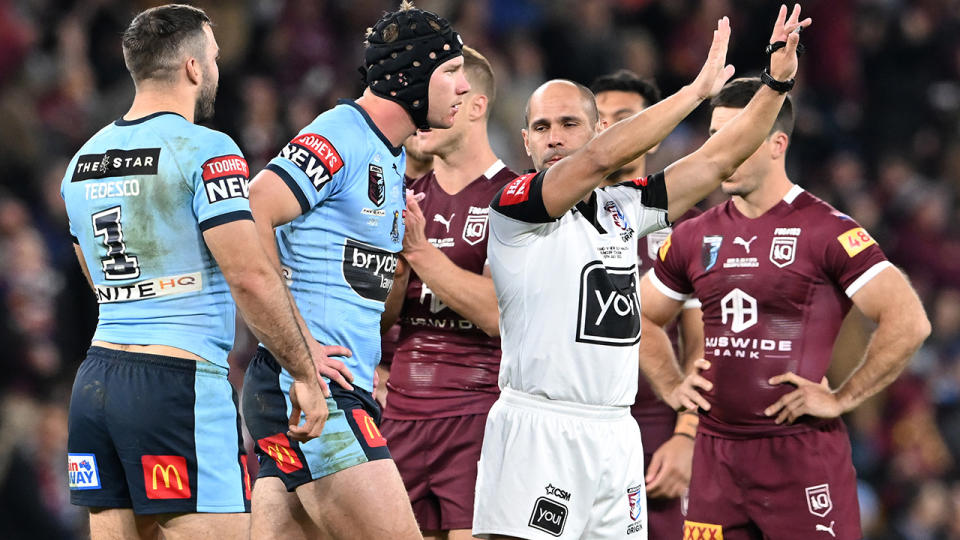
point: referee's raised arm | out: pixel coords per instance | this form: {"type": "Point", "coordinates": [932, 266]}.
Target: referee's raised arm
{"type": "Point", "coordinates": [577, 167]}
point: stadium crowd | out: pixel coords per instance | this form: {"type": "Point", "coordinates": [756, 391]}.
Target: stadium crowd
{"type": "Point", "coordinates": [877, 136]}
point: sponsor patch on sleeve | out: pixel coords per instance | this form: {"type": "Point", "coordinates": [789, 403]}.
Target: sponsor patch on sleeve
{"type": "Point", "coordinates": [664, 248]}
{"type": "Point", "coordinates": [856, 240]}
{"type": "Point", "coordinates": [226, 177]}
{"type": "Point", "coordinates": [517, 191]}
{"type": "Point", "coordinates": [315, 156]}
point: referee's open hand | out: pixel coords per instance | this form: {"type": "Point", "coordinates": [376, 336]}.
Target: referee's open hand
{"type": "Point", "coordinates": [783, 63]}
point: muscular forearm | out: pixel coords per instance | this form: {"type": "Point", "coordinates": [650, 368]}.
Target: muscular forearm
{"type": "Point", "coordinates": [625, 141]}
{"type": "Point", "coordinates": [657, 361]}
{"type": "Point", "coordinates": [469, 294]}
{"type": "Point", "coordinates": [570, 180]}
{"type": "Point", "coordinates": [889, 351]}
{"type": "Point", "coordinates": [694, 177]}
{"type": "Point", "coordinates": [267, 308]}
{"type": "Point", "coordinates": [398, 292]}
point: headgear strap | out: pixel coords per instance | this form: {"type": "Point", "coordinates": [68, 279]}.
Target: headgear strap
{"type": "Point", "coordinates": [403, 50]}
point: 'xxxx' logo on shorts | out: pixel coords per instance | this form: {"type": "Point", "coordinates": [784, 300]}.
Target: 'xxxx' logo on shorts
{"type": "Point", "coordinates": [701, 531]}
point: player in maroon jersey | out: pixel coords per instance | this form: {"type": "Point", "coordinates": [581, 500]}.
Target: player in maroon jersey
{"type": "Point", "coordinates": [443, 377]}
{"type": "Point", "coordinates": [418, 164]}
{"type": "Point", "coordinates": [776, 269]}
{"type": "Point", "coordinates": [667, 437]}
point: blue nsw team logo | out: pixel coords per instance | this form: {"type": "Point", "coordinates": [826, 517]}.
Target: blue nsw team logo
{"type": "Point", "coordinates": [710, 250]}
{"type": "Point", "coordinates": [635, 498]}
{"type": "Point", "coordinates": [82, 471]}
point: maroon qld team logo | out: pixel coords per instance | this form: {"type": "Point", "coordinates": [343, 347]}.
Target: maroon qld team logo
{"type": "Point", "coordinates": [818, 500]}
{"type": "Point", "coordinates": [475, 229]}
{"type": "Point", "coordinates": [377, 189]}
{"type": "Point", "coordinates": [783, 250]}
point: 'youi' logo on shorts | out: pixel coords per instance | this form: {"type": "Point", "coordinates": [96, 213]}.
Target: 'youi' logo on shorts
{"type": "Point", "coordinates": [548, 516]}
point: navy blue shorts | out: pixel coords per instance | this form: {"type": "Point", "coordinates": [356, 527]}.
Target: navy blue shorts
{"type": "Point", "coordinates": [157, 434]}
{"type": "Point", "coordinates": [351, 435]}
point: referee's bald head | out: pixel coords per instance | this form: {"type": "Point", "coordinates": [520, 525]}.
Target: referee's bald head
{"type": "Point", "coordinates": [587, 99]}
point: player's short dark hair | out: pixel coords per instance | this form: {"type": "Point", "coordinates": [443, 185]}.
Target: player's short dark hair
{"type": "Point", "coordinates": [480, 75]}
{"type": "Point", "coordinates": [590, 103]}
{"type": "Point", "coordinates": [156, 39]}
{"type": "Point", "coordinates": [738, 92]}
{"type": "Point", "coordinates": [625, 80]}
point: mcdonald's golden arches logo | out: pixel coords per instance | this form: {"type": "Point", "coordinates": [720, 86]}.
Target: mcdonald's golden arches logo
{"type": "Point", "coordinates": [165, 477]}
{"type": "Point", "coordinates": [369, 428]}
{"type": "Point", "coordinates": [279, 449]}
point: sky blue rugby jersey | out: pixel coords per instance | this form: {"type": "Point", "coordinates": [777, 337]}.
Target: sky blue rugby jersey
{"type": "Point", "coordinates": [341, 254]}
{"type": "Point", "coordinates": [139, 195]}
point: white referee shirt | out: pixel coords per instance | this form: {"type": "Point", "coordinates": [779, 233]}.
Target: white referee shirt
{"type": "Point", "coordinates": [567, 288]}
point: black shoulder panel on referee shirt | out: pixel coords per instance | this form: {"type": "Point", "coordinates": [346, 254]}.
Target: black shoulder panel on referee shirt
{"type": "Point", "coordinates": [522, 199]}
{"type": "Point", "coordinates": [653, 190]}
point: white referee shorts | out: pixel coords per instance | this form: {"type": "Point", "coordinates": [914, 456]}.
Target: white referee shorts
{"type": "Point", "coordinates": [556, 469]}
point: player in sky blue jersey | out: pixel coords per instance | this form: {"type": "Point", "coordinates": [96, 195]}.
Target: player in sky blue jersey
{"type": "Point", "coordinates": [159, 210]}
{"type": "Point", "coordinates": [336, 197]}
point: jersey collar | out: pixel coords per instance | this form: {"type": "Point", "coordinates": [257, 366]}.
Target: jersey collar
{"type": "Point", "coordinates": [121, 122]}
{"type": "Point", "coordinates": [395, 150]}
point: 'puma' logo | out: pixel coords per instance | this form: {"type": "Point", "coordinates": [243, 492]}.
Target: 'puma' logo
{"type": "Point", "coordinates": [744, 243]}
{"type": "Point", "coordinates": [446, 222]}
{"type": "Point", "coordinates": [824, 528]}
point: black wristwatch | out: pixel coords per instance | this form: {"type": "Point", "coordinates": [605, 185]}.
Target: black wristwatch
{"type": "Point", "coordinates": [779, 86]}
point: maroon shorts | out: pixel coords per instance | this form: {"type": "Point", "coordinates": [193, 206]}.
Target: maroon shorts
{"type": "Point", "coordinates": [800, 486]}
{"type": "Point", "coordinates": [437, 460]}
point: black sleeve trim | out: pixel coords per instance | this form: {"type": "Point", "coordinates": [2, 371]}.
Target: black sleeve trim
{"type": "Point", "coordinates": [653, 190]}
{"type": "Point", "coordinates": [522, 199]}
{"type": "Point", "coordinates": [75, 240]}
{"type": "Point", "coordinates": [292, 184]}
{"type": "Point", "coordinates": [229, 217]}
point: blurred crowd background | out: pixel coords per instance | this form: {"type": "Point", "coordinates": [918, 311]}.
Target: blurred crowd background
{"type": "Point", "coordinates": [878, 136]}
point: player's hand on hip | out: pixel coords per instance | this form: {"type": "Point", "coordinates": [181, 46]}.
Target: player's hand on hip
{"type": "Point", "coordinates": [686, 395]}
{"type": "Point", "coordinates": [329, 367]}
{"type": "Point", "coordinates": [669, 472]}
{"type": "Point", "coordinates": [783, 63]}
{"type": "Point", "coordinates": [715, 71]}
{"type": "Point", "coordinates": [307, 397]}
{"type": "Point", "coordinates": [809, 398]}
{"type": "Point", "coordinates": [414, 237]}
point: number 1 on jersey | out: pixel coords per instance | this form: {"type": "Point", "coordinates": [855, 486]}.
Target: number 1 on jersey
{"type": "Point", "coordinates": [117, 264]}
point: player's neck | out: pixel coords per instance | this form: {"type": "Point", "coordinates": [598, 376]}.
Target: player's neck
{"type": "Point", "coordinates": [151, 99]}
{"type": "Point", "coordinates": [456, 170]}
{"type": "Point", "coordinates": [390, 118]}
{"type": "Point", "coordinates": [771, 191]}
{"type": "Point", "coordinates": [417, 168]}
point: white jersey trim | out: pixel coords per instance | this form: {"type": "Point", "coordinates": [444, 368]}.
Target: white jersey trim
{"type": "Point", "coordinates": [792, 195]}
{"type": "Point", "coordinates": [494, 169]}
{"type": "Point", "coordinates": [692, 303]}
{"type": "Point", "coordinates": [667, 291]}
{"type": "Point", "coordinates": [866, 277]}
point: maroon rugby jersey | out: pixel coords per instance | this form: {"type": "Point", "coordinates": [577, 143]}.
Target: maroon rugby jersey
{"type": "Point", "coordinates": [656, 419]}
{"type": "Point", "coordinates": [443, 364]}
{"type": "Point", "coordinates": [774, 291]}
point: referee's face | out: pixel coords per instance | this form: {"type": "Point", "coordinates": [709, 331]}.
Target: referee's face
{"type": "Point", "coordinates": [558, 124]}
